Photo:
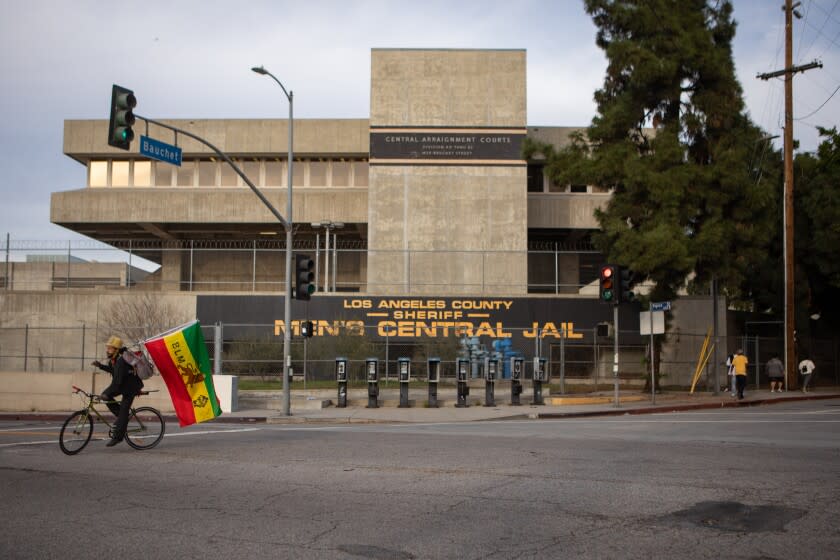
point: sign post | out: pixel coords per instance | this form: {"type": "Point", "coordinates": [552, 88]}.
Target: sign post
{"type": "Point", "coordinates": [661, 307]}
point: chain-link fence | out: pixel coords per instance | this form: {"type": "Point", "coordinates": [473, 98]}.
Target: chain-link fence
{"type": "Point", "coordinates": [258, 265]}
{"type": "Point", "coordinates": [256, 350]}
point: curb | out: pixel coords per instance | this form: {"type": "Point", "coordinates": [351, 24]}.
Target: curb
{"type": "Point", "coordinates": [661, 409]}
{"type": "Point", "coordinates": [350, 418]}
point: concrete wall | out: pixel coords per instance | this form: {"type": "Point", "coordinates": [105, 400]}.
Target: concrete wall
{"type": "Point", "coordinates": [67, 329]}
{"type": "Point", "coordinates": [45, 276]}
{"type": "Point", "coordinates": [85, 139]}
{"type": "Point", "coordinates": [447, 228]}
{"type": "Point", "coordinates": [172, 208]}
{"type": "Point", "coordinates": [565, 211]}
{"type": "Point", "coordinates": [692, 317]}
{"type": "Point", "coordinates": [53, 392]}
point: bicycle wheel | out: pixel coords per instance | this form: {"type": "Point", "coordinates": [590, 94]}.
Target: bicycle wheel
{"type": "Point", "coordinates": [76, 431]}
{"type": "Point", "coordinates": [145, 428]}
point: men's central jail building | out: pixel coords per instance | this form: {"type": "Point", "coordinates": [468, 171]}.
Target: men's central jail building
{"type": "Point", "coordinates": [424, 218]}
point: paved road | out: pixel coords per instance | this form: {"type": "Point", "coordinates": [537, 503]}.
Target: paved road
{"type": "Point", "coordinates": [737, 483]}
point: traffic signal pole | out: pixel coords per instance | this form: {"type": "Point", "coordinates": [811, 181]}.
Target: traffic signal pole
{"type": "Point", "coordinates": [615, 353]}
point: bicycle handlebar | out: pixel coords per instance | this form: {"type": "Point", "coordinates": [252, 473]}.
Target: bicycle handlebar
{"type": "Point", "coordinates": [98, 398]}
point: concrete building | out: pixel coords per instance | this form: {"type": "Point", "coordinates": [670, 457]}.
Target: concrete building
{"type": "Point", "coordinates": [431, 191]}
{"type": "Point", "coordinates": [424, 218]}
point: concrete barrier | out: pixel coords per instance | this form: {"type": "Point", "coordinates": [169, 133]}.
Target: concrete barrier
{"type": "Point", "coordinates": [53, 392]}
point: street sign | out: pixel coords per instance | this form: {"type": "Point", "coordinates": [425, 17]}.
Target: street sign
{"type": "Point", "coordinates": [160, 151]}
{"type": "Point", "coordinates": [660, 306]}
{"type": "Point", "coordinates": [646, 322]}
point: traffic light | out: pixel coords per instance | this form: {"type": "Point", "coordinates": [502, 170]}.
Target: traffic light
{"type": "Point", "coordinates": [120, 134]}
{"type": "Point", "coordinates": [606, 284]}
{"type": "Point", "coordinates": [307, 329]}
{"type": "Point", "coordinates": [625, 292]}
{"type": "Point", "coordinates": [305, 267]}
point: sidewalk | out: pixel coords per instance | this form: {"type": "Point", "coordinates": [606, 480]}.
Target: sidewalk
{"type": "Point", "coordinates": [318, 406]}
{"type": "Point", "coordinates": [312, 407]}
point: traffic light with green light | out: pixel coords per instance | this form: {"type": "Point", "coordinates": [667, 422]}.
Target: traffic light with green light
{"type": "Point", "coordinates": [120, 133]}
{"type": "Point", "coordinates": [305, 267]}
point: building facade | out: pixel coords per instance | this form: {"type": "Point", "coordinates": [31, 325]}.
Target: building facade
{"type": "Point", "coordinates": [427, 226]}
{"type": "Point", "coordinates": [428, 196]}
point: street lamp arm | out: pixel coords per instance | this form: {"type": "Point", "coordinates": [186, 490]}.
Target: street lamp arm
{"type": "Point", "coordinates": [264, 72]}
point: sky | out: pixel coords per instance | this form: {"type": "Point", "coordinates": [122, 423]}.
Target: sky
{"type": "Point", "coordinates": [192, 59]}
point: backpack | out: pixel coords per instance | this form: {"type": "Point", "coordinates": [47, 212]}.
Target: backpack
{"type": "Point", "coordinates": [139, 363]}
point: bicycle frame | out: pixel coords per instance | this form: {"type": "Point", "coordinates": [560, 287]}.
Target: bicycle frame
{"type": "Point", "coordinates": [79, 426]}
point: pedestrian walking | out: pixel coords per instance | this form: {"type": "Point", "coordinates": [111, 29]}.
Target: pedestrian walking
{"type": "Point", "coordinates": [776, 374]}
{"type": "Point", "coordinates": [730, 372]}
{"type": "Point", "coordinates": [739, 364]}
{"type": "Point", "coordinates": [806, 369]}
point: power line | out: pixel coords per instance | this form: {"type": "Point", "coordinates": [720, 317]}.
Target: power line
{"type": "Point", "coordinates": [820, 107]}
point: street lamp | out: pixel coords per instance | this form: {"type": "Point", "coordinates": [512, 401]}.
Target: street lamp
{"type": "Point", "coordinates": [287, 319]}
{"type": "Point", "coordinates": [328, 225]}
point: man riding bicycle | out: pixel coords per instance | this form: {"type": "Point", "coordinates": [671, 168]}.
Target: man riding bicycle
{"type": "Point", "coordinates": [123, 382]}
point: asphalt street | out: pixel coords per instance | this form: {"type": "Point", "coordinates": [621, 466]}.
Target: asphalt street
{"type": "Point", "coordinates": [759, 482]}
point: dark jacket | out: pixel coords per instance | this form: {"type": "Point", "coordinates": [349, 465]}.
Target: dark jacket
{"type": "Point", "coordinates": [123, 379]}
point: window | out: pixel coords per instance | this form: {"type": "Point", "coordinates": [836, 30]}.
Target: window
{"type": "Point", "coordinates": [535, 177]}
{"type": "Point", "coordinates": [360, 174]}
{"type": "Point", "coordinates": [275, 173]}
{"type": "Point", "coordinates": [340, 173]}
{"type": "Point", "coordinates": [578, 189]}
{"type": "Point", "coordinates": [98, 174]}
{"type": "Point", "coordinates": [298, 173]}
{"type": "Point", "coordinates": [119, 173]}
{"type": "Point", "coordinates": [554, 187]}
{"type": "Point", "coordinates": [185, 173]}
{"type": "Point", "coordinates": [252, 171]}
{"type": "Point", "coordinates": [163, 174]}
{"type": "Point", "coordinates": [206, 173]}
{"type": "Point", "coordinates": [229, 176]}
{"type": "Point", "coordinates": [142, 173]}
{"type": "Point", "coordinates": [318, 173]}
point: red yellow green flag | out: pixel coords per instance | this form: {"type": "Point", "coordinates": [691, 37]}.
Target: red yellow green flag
{"type": "Point", "coordinates": [181, 357]}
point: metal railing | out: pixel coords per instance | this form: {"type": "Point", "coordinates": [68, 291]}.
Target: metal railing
{"type": "Point", "coordinates": [256, 265]}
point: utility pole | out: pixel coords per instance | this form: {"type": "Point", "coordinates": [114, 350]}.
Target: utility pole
{"type": "Point", "coordinates": [788, 72]}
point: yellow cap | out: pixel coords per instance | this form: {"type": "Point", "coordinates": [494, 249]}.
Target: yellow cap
{"type": "Point", "coordinates": [114, 341]}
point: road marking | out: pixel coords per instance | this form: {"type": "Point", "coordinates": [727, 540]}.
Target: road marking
{"type": "Point", "coordinates": [95, 438]}
{"type": "Point", "coordinates": [32, 428]}
{"type": "Point", "coordinates": [212, 432]}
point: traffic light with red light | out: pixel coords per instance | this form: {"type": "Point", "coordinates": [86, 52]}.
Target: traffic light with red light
{"type": "Point", "coordinates": [607, 288]}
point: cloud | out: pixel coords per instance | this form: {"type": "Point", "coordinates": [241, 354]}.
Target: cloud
{"type": "Point", "coordinates": [192, 59]}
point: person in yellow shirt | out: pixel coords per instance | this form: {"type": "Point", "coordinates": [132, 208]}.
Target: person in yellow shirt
{"type": "Point", "coordinates": [739, 364]}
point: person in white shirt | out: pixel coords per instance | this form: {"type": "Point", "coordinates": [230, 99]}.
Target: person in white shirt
{"type": "Point", "coordinates": [806, 368]}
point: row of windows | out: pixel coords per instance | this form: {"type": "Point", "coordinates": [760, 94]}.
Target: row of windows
{"type": "Point", "coordinates": [215, 173]}
{"type": "Point", "coordinates": [539, 182]}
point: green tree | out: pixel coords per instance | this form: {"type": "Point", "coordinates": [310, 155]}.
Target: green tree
{"type": "Point", "coordinates": [817, 232]}
{"type": "Point", "coordinates": [673, 142]}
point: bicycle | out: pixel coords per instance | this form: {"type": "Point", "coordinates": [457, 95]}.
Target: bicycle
{"type": "Point", "coordinates": [145, 425]}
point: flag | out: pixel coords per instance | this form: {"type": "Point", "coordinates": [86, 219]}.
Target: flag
{"type": "Point", "coordinates": [181, 357]}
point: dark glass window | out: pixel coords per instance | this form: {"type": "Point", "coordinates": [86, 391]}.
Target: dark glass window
{"type": "Point", "coordinates": [535, 177]}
